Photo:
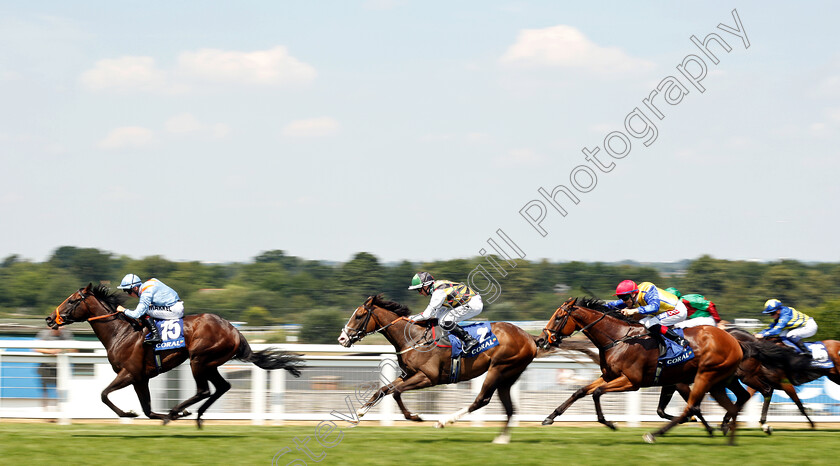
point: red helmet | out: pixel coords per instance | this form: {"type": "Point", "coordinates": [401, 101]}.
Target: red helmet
{"type": "Point", "coordinates": [626, 287]}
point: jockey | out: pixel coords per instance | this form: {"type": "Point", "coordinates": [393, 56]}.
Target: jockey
{"type": "Point", "coordinates": [658, 308]}
{"type": "Point", "coordinates": [156, 300]}
{"type": "Point", "coordinates": [450, 303]}
{"type": "Point", "coordinates": [789, 324]}
{"type": "Point", "coordinates": [700, 310]}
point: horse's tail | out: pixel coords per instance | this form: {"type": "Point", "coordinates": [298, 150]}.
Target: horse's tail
{"type": "Point", "coordinates": [796, 366]}
{"type": "Point", "coordinates": [270, 358]}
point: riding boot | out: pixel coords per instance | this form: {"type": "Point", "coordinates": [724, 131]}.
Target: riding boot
{"type": "Point", "coordinates": [656, 333]}
{"type": "Point", "coordinates": [672, 335]}
{"type": "Point", "coordinates": [154, 333]}
{"type": "Point", "coordinates": [802, 348]}
{"type": "Point", "coordinates": [469, 342]}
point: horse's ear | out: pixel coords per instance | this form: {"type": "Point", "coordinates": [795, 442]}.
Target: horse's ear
{"type": "Point", "coordinates": [88, 287]}
{"type": "Point", "coordinates": [369, 301]}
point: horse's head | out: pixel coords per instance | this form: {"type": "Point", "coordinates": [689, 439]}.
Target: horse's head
{"type": "Point", "coordinates": [88, 303]}
{"type": "Point", "coordinates": [560, 325]}
{"type": "Point", "coordinates": [360, 324]}
{"type": "Point", "coordinates": [73, 309]}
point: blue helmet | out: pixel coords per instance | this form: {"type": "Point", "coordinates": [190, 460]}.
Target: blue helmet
{"type": "Point", "coordinates": [771, 306]}
{"type": "Point", "coordinates": [130, 281]}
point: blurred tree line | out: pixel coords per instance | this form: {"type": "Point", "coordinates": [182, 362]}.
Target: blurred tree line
{"type": "Point", "coordinates": [275, 288]}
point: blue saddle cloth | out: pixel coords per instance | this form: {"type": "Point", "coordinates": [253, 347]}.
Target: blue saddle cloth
{"type": "Point", "coordinates": [820, 355]}
{"type": "Point", "coordinates": [674, 353]}
{"type": "Point", "coordinates": [481, 332]}
{"type": "Point", "coordinates": [172, 334]}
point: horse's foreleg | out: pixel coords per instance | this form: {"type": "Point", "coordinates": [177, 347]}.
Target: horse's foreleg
{"type": "Point", "coordinates": [142, 390]}
{"type": "Point", "coordinates": [620, 384]}
{"type": "Point", "coordinates": [580, 393]}
{"type": "Point", "coordinates": [414, 382]}
{"type": "Point", "coordinates": [719, 394]}
{"type": "Point", "coordinates": [665, 396]}
{"type": "Point", "coordinates": [406, 413]}
{"type": "Point", "coordinates": [123, 379]}
{"type": "Point", "coordinates": [700, 388]}
{"type": "Point", "coordinates": [791, 392]}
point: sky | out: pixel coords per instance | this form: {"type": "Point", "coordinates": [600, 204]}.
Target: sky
{"type": "Point", "coordinates": [415, 130]}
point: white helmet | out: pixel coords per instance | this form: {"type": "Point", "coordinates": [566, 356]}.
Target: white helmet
{"type": "Point", "coordinates": [130, 281]}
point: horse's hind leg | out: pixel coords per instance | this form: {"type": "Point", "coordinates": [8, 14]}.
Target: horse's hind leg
{"type": "Point", "coordinates": [719, 394]}
{"type": "Point", "coordinates": [202, 392]}
{"type": "Point", "coordinates": [504, 396]}
{"type": "Point", "coordinates": [123, 379]}
{"type": "Point", "coordinates": [484, 396]}
{"type": "Point", "coordinates": [221, 385]}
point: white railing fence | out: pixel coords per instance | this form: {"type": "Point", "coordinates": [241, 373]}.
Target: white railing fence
{"type": "Point", "coordinates": [331, 386]}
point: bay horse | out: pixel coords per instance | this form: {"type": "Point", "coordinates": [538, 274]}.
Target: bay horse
{"type": "Point", "coordinates": [210, 342]}
{"type": "Point", "coordinates": [425, 365]}
{"type": "Point", "coordinates": [628, 359]}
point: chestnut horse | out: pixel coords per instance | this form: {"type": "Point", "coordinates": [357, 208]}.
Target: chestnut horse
{"type": "Point", "coordinates": [425, 365]}
{"type": "Point", "coordinates": [628, 359]}
{"type": "Point", "coordinates": [210, 342]}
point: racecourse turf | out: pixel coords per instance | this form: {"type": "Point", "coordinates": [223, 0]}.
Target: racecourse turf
{"type": "Point", "coordinates": [181, 443]}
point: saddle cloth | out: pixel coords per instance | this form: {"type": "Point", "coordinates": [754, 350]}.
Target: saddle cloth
{"type": "Point", "coordinates": [172, 334]}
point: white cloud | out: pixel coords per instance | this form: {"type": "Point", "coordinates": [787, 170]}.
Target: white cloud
{"type": "Point", "coordinates": [183, 123]}
{"type": "Point", "coordinates": [125, 74]}
{"type": "Point", "coordinates": [266, 67]}
{"type": "Point", "coordinates": [272, 67]}
{"type": "Point", "coordinates": [312, 127]}
{"type": "Point", "coordinates": [567, 47]}
{"type": "Point", "coordinates": [127, 137]}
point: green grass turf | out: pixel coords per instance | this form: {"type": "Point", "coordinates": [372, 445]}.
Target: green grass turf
{"type": "Point", "coordinates": [182, 443]}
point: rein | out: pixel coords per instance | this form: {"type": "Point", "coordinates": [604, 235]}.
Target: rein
{"type": "Point", "coordinates": [553, 334]}
{"type": "Point", "coordinates": [62, 321]}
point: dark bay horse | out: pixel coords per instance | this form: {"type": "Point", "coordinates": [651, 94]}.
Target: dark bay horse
{"type": "Point", "coordinates": [788, 370]}
{"type": "Point", "coordinates": [628, 359]}
{"type": "Point", "coordinates": [210, 342]}
{"type": "Point", "coordinates": [424, 365]}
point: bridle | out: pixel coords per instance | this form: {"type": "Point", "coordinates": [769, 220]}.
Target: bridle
{"type": "Point", "coordinates": [551, 336]}
{"type": "Point", "coordinates": [67, 319]}
{"type": "Point", "coordinates": [358, 333]}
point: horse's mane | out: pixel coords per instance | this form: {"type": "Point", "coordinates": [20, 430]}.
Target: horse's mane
{"type": "Point", "coordinates": [598, 305]}
{"type": "Point", "coordinates": [112, 299]}
{"type": "Point", "coordinates": [396, 308]}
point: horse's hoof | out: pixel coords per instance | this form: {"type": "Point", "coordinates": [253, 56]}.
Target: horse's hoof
{"type": "Point", "coordinates": [768, 429]}
{"type": "Point", "coordinates": [415, 418]}
{"type": "Point", "coordinates": [130, 414]}
{"type": "Point", "coordinates": [166, 420]}
{"type": "Point", "coordinates": [649, 438]}
{"type": "Point", "coordinates": [502, 439]}
{"type": "Point", "coordinates": [185, 413]}
{"type": "Point", "coordinates": [548, 421]}
{"type": "Point", "coordinates": [439, 425]}
{"type": "Point", "coordinates": [610, 425]}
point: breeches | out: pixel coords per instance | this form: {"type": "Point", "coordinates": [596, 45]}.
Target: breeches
{"type": "Point", "coordinates": [175, 311]}
{"type": "Point", "coordinates": [796, 334]}
{"type": "Point", "coordinates": [694, 322]}
{"type": "Point", "coordinates": [449, 317]}
{"type": "Point", "coordinates": [667, 318]}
